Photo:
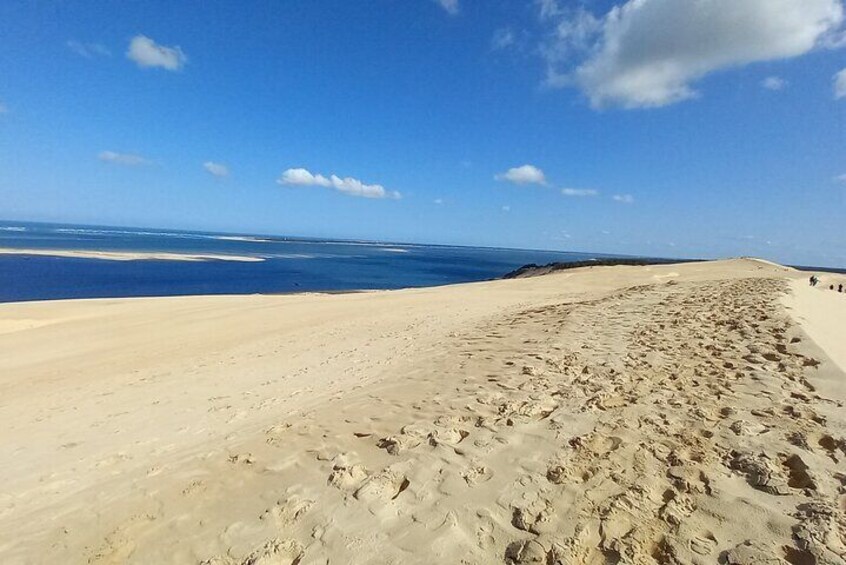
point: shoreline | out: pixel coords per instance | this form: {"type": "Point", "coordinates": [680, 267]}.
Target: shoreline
{"type": "Point", "coordinates": [526, 271]}
{"type": "Point", "coordinates": [576, 265]}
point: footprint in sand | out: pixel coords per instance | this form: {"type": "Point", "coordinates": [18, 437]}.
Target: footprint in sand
{"type": "Point", "coordinates": [831, 446]}
{"type": "Point", "coordinates": [744, 428]}
{"type": "Point", "coordinates": [816, 535]}
{"type": "Point", "coordinates": [410, 436]}
{"type": "Point", "coordinates": [287, 511]}
{"type": "Point", "coordinates": [704, 544]}
{"type": "Point", "coordinates": [476, 475]}
{"type": "Point", "coordinates": [525, 551]}
{"type": "Point", "coordinates": [810, 362]}
{"type": "Point", "coordinates": [346, 475]}
{"type": "Point", "coordinates": [530, 370]}
{"type": "Point", "coordinates": [760, 472]}
{"type": "Point", "coordinates": [533, 517]}
{"type": "Point", "coordinates": [556, 474]}
{"type": "Point", "coordinates": [797, 471]}
{"type": "Point", "coordinates": [386, 485]}
{"type": "Point", "coordinates": [195, 486]}
{"type": "Point", "coordinates": [276, 552]}
{"type": "Point", "coordinates": [597, 443]}
{"type": "Point", "coordinates": [245, 459]}
{"type": "Point", "coordinates": [750, 552]}
{"type": "Point", "coordinates": [447, 436]}
{"type": "Point", "coordinates": [395, 445]}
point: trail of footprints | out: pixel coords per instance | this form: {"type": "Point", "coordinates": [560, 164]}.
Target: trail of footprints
{"type": "Point", "coordinates": [590, 386]}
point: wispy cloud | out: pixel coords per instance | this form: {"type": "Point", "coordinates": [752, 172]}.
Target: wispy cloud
{"type": "Point", "coordinates": [451, 6]}
{"type": "Point", "coordinates": [840, 84]}
{"type": "Point", "coordinates": [506, 209]}
{"type": "Point", "coordinates": [88, 50]}
{"type": "Point", "coordinates": [549, 9]}
{"type": "Point", "coordinates": [623, 198]}
{"type": "Point", "coordinates": [774, 83]}
{"type": "Point", "coordinates": [649, 53]}
{"type": "Point", "coordinates": [503, 39]}
{"type": "Point", "coordinates": [579, 192]}
{"type": "Point", "coordinates": [526, 174]}
{"type": "Point", "coordinates": [216, 169]}
{"type": "Point", "coordinates": [841, 178]}
{"type": "Point", "coordinates": [126, 159]}
{"type": "Point", "coordinates": [438, 201]}
{"type": "Point", "coordinates": [147, 53]}
{"type": "Point", "coordinates": [346, 185]}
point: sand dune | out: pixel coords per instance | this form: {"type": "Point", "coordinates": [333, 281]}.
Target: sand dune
{"type": "Point", "coordinates": [672, 414]}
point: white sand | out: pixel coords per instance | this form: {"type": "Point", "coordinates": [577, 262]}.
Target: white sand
{"type": "Point", "coordinates": [675, 414]}
{"type": "Point", "coordinates": [129, 255]}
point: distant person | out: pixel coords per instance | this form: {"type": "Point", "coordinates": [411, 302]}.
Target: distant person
{"type": "Point", "coordinates": [831, 287]}
{"type": "Point", "coordinates": [814, 280]}
{"type": "Point", "coordinates": [840, 288]}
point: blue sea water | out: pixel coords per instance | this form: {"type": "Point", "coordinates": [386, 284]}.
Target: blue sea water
{"type": "Point", "coordinates": [290, 264]}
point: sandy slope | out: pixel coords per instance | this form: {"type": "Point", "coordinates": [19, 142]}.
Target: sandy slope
{"type": "Point", "coordinates": [821, 313]}
{"type": "Point", "coordinates": [634, 414]}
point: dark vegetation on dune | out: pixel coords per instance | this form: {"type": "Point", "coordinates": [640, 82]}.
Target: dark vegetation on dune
{"type": "Point", "coordinates": [533, 270]}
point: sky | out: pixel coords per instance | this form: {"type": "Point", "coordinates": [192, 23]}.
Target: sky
{"type": "Point", "coordinates": [676, 128]}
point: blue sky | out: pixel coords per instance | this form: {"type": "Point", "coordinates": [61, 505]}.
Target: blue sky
{"type": "Point", "coordinates": [661, 127]}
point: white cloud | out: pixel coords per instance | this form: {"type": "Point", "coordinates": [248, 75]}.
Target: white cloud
{"type": "Point", "coordinates": [527, 174]}
{"type": "Point", "coordinates": [648, 53]}
{"type": "Point", "coordinates": [549, 9]}
{"type": "Point", "coordinates": [346, 185]}
{"type": "Point", "coordinates": [451, 6]}
{"type": "Point", "coordinates": [128, 159]}
{"type": "Point", "coordinates": [88, 50]}
{"type": "Point", "coordinates": [506, 209]}
{"type": "Point", "coordinates": [574, 33]}
{"type": "Point", "coordinates": [840, 84]}
{"type": "Point", "coordinates": [579, 192]}
{"type": "Point", "coordinates": [841, 178]}
{"type": "Point", "coordinates": [624, 198]}
{"type": "Point", "coordinates": [774, 83]}
{"type": "Point", "coordinates": [216, 169]}
{"type": "Point", "coordinates": [438, 201]}
{"type": "Point", "coordinates": [502, 39]}
{"type": "Point", "coordinates": [303, 177]}
{"type": "Point", "coordinates": [148, 53]}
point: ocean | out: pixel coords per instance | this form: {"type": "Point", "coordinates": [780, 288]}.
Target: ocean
{"type": "Point", "coordinates": [288, 264]}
